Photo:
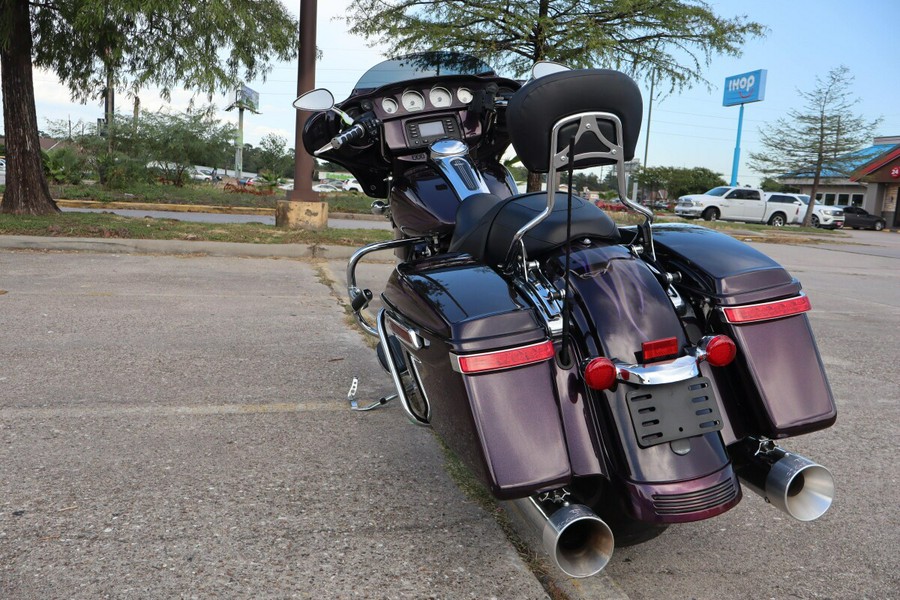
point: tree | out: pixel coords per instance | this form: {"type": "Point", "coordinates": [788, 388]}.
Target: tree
{"type": "Point", "coordinates": [96, 45]}
{"type": "Point", "coordinates": [818, 138]}
{"type": "Point", "coordinates": [677, 181]}
{"type": "Point", "coordinates": [273, 155]}
{"type": "Point", "coordinates": [671, 41]}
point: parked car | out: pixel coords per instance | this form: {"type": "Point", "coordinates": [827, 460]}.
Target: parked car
{"type": "Point", "coordinates": [200, 174]}
{"type": "Point", "coordinates": [858, 218]}
{"type": "Point", "coordinates": [352, 185]}
{"type": "Point", "coordinates": [325, 187]}
{"type": "Point", "coordinates": [826, 217]}
{"type": "Point", "coordinates": [2, 164]}
{"type": "Point", "coordinates": [736, 204]}
{"type": "Point", "coordinates": [247, 180]}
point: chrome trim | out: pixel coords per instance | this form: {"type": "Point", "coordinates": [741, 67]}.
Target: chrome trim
{"type": "Point", "coordinates": [395, 376]}
{"type": "Point", "coordinates": [545, 298]}
{"type": "Point", "coordinates": [353, 290]}
{"type": "Point", "coordinates": [671, 371]}
{"type": "Point", "coordinates": [414, 338]}
{"type": "Point", "coordinates": [451, 157]}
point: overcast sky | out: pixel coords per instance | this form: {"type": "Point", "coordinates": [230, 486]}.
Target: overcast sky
{"type": "Point", "coordinates": [807, 38]}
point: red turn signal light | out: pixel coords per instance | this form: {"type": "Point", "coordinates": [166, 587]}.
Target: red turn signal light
{"type": "Point", "coordinates": [720, 350]}
{"type": "Point", "coordinates": [600, 374]}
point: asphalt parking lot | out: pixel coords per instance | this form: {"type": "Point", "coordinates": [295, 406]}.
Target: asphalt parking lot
{"type": "Point", "coordinates": [177, 427]}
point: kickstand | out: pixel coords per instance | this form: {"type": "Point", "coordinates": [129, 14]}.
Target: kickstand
{"type": "Point", "coordinates": [354, 405]}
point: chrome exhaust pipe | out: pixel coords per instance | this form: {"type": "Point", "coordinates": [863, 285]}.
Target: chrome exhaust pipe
{"type": "Point", "coordinates": [790, 482]}
{"type": "Point", "coordinates": [577, 540]}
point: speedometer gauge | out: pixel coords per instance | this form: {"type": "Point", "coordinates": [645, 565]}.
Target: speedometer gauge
{"type": "Point", "coordinates": [413, 101]}
{"type": "Point", "coordinates": [389, 105]}
{"type": "Point", "coordinates": [464, 95]}
{"type": "Point", "coordinates": [440, 97]}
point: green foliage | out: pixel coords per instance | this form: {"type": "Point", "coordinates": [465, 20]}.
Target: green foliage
{"type": "Point", "coordinates": [818, 138]}
{"type": "Point", "coordinates": [65, 165]}
{"type": "Point", "coordinates": [671, 41]}
{"type": "Point", "coordinates": [206, 46]}
{"type": "Point", "coordinates": [273, 155]}
{"type": "Point", "coordinates": [175, 142]}
{"type": "Point", "coordinates": [673, 182]}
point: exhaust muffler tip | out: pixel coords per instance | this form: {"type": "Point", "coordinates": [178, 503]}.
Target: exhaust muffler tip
{"type": "Point", "coordinates": [800, 487]}
{"type": "Point", "coordinates": [579, 541]}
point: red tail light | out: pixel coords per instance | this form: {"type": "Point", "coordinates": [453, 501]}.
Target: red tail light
{"type": "Point", "coordinates": [600, 374]}
{"type": "Point", "coordinates": [659, 349]}
{"type": "Point", "coordinates": [720, 350]}
{"type": "Point", "coordinates": [768, 310]}
{"type": "Point", "coordinates": [503, 359]}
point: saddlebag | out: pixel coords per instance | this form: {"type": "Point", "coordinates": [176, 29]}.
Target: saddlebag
{"type": "Point", "coordinates": [504, 424]}
{"type": "Point", "coordinates": [777, 386]}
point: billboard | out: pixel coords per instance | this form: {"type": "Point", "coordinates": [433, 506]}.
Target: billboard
{"type": "Point", "coordinates": [745, 88]}
{"type": "Point", "coordinates": [247, 99]}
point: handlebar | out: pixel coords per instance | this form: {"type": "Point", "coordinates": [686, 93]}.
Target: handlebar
{"type": "Point", "coordinates": [351, 135]}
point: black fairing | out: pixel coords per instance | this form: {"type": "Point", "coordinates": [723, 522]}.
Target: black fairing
{"type": "Point", "coordinates": [538, 105]}
{"type": "Point", "coordinates": [486, 225]}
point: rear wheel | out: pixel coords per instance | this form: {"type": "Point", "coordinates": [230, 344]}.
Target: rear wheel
{"type": "Point", "coordinates": [711, 214]}
{"type": "Point", "coordinates": [777, 220]}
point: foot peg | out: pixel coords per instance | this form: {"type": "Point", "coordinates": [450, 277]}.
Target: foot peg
{"type": "Point", "coordinates": [354, 405]}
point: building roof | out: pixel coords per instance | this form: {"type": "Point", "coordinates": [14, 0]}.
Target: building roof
{"type": "Point", "coordinates": [851, 162]}
{"type": "Point", "coordinates": [876, 163]}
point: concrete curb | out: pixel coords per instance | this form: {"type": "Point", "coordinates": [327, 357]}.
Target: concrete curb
{"type": "Point", "coordinates": [177, 247]}
{"type": "Point", "coordinates": [197, 208]}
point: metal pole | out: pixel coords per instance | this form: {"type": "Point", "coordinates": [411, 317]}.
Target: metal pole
{"type": "Point", "coordinates": [306, 81]}
{"type": "Point", "coordinates": [737, 148]}
{"type": "Point", "coordinates": [239, 151]}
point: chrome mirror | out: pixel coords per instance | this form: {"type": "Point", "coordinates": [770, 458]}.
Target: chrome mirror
{"type": "Point", "coordinates": [318, 99]}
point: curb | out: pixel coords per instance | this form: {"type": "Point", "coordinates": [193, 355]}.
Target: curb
{"type": "Point", "coordinates": [198, 208]}
{"type": "Point", "coordinates": [175, 247]}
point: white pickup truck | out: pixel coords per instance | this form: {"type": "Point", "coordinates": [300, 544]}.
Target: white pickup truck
{"type": "Point", "coordinates": [736, 204]}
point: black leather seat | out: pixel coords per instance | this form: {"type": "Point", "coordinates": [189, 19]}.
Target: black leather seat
{"type": "Point", "coordinates": [486, 225]}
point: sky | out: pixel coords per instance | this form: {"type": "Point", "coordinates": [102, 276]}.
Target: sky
{"type": "Point", "coordinates": [805, 40]}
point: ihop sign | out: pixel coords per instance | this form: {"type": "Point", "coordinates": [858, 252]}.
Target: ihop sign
{"type": "Point", "coordinates": [745, 88]}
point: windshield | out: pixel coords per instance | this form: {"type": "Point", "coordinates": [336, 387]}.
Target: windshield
{"type": "Point", "coordinates": [803, 199]}
{"type": "Point", "coordinates": [419, 66]}
{"type": "Point", "coordinates": [719, 191]}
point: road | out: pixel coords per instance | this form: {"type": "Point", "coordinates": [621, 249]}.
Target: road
{"type": "Point", "coordinates": [175, 427]}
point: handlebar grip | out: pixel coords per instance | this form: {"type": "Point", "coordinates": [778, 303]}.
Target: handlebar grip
{"type": "Point", "coordinates": [354, 133]}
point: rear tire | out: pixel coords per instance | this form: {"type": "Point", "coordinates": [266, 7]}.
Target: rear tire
{"type": "Point", "coordinates": [777, 220]}
{"type": "Point", "coordinates": [711, 214]}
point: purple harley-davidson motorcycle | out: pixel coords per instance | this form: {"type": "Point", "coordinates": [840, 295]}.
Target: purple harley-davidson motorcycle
{"type": "Point", "coordinates": [609, 381]}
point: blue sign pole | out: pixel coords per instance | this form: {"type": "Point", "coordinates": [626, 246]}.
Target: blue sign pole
{"type": "Point", "coordinates": [742, 89]}
{"type": "Point", "coordinates": [737, 148]}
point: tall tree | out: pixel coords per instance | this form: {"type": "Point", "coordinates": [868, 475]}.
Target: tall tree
{"type": "Point", "coordinates": [669, 40]}
{"type": "Point", "coordinates": [96, 45]}
{"type": "Point", "coordinates": [818, 138]}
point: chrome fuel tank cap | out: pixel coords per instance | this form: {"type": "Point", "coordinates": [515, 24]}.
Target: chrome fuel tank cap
{"type": "Point", "coordinates": [445, 148]}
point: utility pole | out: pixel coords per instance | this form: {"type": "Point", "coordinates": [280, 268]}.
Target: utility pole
{"type": "Point", "coordinates": [312, 213]}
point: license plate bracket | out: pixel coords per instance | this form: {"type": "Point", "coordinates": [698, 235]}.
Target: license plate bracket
{"type": "Point", "coordinates": [673, 411]}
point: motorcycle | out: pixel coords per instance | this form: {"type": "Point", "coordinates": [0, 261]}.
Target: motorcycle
{"type": "Point", "coordinates": [607, 381]}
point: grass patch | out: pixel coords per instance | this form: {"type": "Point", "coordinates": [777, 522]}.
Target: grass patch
{"type": "Point", "coordinates": [105, 225]}
{"type": "Point", "coordinates": [202, 194]}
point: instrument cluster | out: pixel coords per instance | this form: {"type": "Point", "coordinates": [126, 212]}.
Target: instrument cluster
{"type": "Point", "coordinates": [411, 101]}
